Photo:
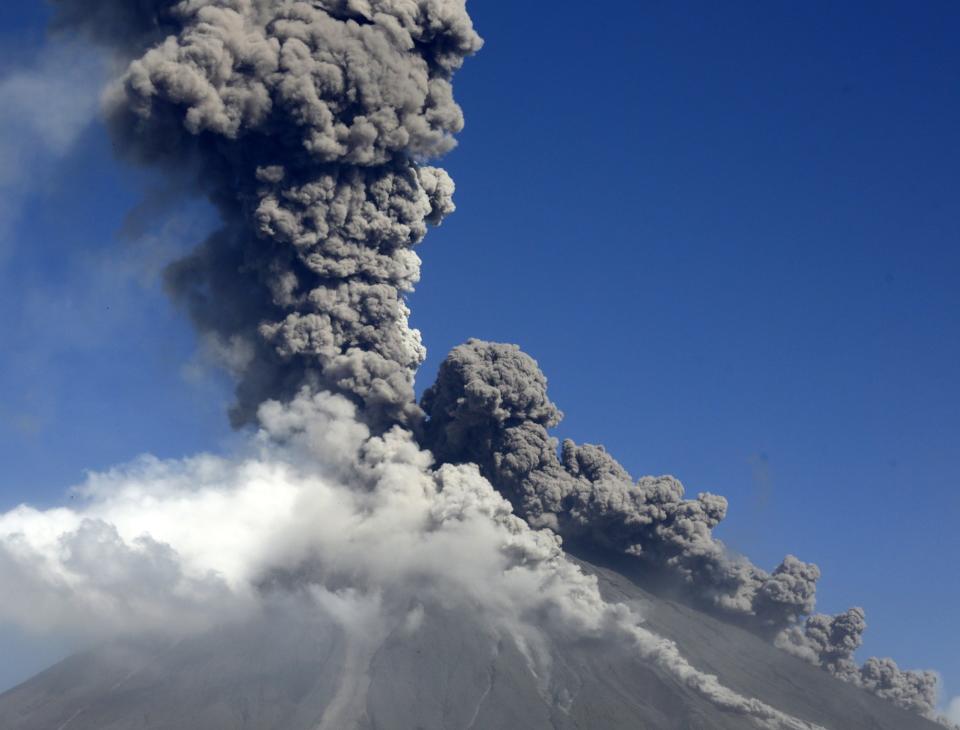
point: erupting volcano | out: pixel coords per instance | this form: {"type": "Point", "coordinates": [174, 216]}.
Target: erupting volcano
{"type": "Point", "coordinates": [365, 560]}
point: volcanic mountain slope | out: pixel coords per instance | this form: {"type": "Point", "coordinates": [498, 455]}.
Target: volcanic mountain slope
{"type": "Point", "coordinates": [286, 672]}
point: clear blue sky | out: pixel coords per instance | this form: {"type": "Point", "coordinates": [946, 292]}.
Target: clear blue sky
{"type": "Point", "coordinates": [729, 232]}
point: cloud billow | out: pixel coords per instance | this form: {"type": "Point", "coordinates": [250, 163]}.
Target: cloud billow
{"type": "Point", "coordinates": [830, 641]}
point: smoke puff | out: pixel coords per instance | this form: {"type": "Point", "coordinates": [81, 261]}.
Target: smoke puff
{"type": "Point", "coordinates": [489, 406]}
{"type": "Point", "coordinates": [912, 690]}
{"type": "Point", "coordinates": [830, 641]}
{"type": "Point", "coordinates": [789, 591]}
{"type": "Point", "coordinates": [309, 125]}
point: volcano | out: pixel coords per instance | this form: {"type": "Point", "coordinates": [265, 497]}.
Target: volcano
{"type": "Point", "coordinates": [365, 560]}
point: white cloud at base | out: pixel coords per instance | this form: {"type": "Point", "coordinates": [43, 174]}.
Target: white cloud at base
{"type": "Point", "coordinates": [361, 524]}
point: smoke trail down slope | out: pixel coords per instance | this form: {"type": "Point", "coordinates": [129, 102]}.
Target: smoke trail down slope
{"type": "Point", "coordinates": [490, 406]}
{"type": "Point", "coordinates": [309, 124]}
{"type": "Point", "coordinates": [830, 641]}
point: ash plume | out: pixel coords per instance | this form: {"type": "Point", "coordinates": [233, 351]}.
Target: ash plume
{"type": "Point", "coordinates": [829, 641]}
{"type": "Point", "coordinates": [489, 406]}
{"type": "Point", "coordinates": [309, 125]}
{"type": "Point", "coordinates": [912, 690]}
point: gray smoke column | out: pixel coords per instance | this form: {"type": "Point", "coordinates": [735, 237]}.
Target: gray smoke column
{"type": "Point", "coordinates": [490, 406]}
{"type": "Point", "coordinates": [309, 123]}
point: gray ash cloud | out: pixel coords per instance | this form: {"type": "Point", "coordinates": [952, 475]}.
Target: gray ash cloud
{"type": "Point", "coordinates": [490, 406]}
{"type": "Point", "coordinates": [830, 641]}
{"type": "Point", "coordinates": [309, 125]}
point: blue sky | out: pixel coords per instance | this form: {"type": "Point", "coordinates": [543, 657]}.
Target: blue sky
{"type": "Point", "coordinates": [728, 232]}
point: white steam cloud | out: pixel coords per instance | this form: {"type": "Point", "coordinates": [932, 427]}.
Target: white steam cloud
{"type": "Point", "coordinates": [362, 524]}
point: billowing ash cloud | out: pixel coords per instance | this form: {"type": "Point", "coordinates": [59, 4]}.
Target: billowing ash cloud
{"type": "Point", "coordinates": [831, 641]}
{"type": "Point", "coordinates": [913, 690]}
{"type": "Point", "coordinates": [308, 124]}
{"type": "Point", "coordinates": [489, 406]}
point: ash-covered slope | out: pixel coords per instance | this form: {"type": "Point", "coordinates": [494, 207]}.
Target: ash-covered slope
{"type": "Point", "coordinates": [283, 672]}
